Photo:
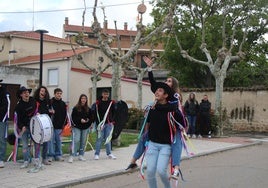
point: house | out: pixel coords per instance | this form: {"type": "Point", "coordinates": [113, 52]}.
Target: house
{"type": "Point", "coordinates": [18, 44]}
{"type": "Point", "coordinates": [126, 37]}
{"type": "Point", "coordinates": [62, 69]}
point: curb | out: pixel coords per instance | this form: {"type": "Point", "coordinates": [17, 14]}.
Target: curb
{"type": "Point", "coordinates": [121, 172]}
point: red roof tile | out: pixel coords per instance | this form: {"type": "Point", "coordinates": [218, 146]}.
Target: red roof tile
{"type": "Point", "coordinates": [33, 35]}
{"type": "Point", "coordinates": [107, 75]}
{"type": "Point", "coordinates": [50, 56]}
{"type": "Point", "coordinates": [77, 29]}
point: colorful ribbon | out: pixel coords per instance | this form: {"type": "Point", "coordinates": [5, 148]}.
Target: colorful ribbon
{"type": "Point", "coordinates": [102, 123]}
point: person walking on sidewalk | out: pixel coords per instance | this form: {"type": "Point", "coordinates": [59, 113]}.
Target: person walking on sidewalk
{"type": "Point", "coordinates": [191, 108]}
{"type": "Point", "coordinates": [104, 109]}
{"type": "Point", "coordinates": [25, 110]}
{"type": "Point", "coordinates": [82, 117]}
{"type": "Point", "coordinates": [204, 113]}
{"type": "Point", "coordinates": [176, 101]}
{"type": "Point", "coordinates": [4, 104]}
{"type": "Point", "coordinates": [161, 135]}
{"type": "Point", "coordinates": [58, 118]}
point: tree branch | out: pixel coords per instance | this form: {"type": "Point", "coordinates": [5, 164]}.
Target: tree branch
{"type": "Point", "coordinates": [223, 30]}
{"type": "Point", "coordinates": [138, 41]}
{"type": "Point", "coordinates": [232, 38]}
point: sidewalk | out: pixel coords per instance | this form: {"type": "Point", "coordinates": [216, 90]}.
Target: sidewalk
{"type": "Point", "coordinates": [62, 174]}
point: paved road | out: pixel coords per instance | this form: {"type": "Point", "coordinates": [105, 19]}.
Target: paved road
{"type": "Point", "coordinates": [240, 168]}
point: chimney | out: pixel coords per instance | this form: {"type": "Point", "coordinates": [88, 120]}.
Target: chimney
{"type": "Point", "coordinates": [105, 24]}
{"type": "Point", "coordinates": [125, 26]}
{"type": "Point", "coordinates": [66, 21]}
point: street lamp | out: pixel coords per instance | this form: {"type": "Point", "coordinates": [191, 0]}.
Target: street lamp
{"type": "Point", "coordinates": [41, 31]}
{"type": "Point", "coordinates": [10, 52]}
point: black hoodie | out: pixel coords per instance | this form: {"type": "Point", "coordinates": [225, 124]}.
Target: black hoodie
{"type": "Point", "coordinates": [60, 113]}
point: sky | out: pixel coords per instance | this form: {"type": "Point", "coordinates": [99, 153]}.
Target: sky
{"type": "Point", "coordinates": [27, 15]}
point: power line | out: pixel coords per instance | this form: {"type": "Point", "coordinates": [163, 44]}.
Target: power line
{"type": "Point", "coordinates": [63, 10]}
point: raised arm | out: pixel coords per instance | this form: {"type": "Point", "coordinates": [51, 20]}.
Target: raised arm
{"type": "Point", "coordinates": [149, 63]}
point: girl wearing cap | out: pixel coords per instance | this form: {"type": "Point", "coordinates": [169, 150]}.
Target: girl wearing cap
{"type": "Point", "coordinates": [160, 135]}
{"type": "Point", "coordinates": [176, 99]}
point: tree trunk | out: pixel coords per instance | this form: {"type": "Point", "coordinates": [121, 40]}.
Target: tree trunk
{"type": "Point", "coordinates": [94, 88]}
{"type": "Point", "coordinates": [139, 85]}
{"type": "Point", "coordinates": [218, 103]}
{"type": "Point", "coordinates": [116, 81]}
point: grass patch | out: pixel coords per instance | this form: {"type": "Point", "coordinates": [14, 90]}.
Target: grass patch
{"type": "Point", "coordinates": [126, 140]}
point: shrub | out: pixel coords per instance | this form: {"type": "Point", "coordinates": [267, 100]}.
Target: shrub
{"type": "Point", "coordinates": [135, 118]}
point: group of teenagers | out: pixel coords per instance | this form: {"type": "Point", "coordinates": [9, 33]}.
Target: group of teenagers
{"type": "Point", "coordinates": [161, 139]}
{"type": "Point", "coordinates": [82, 119]}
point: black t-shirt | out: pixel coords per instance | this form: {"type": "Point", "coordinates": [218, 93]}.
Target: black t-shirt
{"type": "Point", "coordinates": [100, 108]}
{"type": "Point", "coordinates": [159, 128]}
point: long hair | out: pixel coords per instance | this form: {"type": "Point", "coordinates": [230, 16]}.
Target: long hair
{"type": "Point", "coordinates": [36, 94]}
{"type": "Point", "coordinates": [79, 105]}
{"type": "Point", "coordinates": [175, 86]}
{"type": "Point", "coordinates": [193, 99]}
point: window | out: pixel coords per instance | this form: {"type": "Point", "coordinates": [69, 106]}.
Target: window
{"type": "Point", "coordinates": [53, 77]}
{"type": "Point", "coordinates": [143, 64]}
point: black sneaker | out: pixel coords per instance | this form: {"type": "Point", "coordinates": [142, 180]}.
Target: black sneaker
{"type": "Point", "coordinates": [131, 166]}
{"type": "Point", "coordinates": [175, 174]}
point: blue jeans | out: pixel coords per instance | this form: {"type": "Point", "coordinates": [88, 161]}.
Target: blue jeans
{"type": "Point", "coordinates": [104, 135]}
{"type": "Point", "coordinates": [191, 120]}
{"type": "Point", "coordinates": [157, 158]}
{"type": "Point", "coordinates": [141, 146]}
{"type": "Point", "coordinates": [3, 140]}
{"type": "Point", "coordinates": [79, 140]}
{"type": "Point", "coordinates": [176, 149]}
{"type": "Point", "coordinates": [54, 145]}
{"type": "Point", "coordinates": [25, 144]}
{"type": "Point", "coordinates": [44, 150]}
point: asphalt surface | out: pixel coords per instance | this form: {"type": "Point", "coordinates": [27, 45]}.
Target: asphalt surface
{"type": "Point", "coordinates": [244, 167]}
{"type": "Point", "coordinates": [64, 174]}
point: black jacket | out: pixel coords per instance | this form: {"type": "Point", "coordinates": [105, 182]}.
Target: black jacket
{"type": "Point", "coordinates": [43, 107]}
{"type": "Point", "coordinates": [25, 111]}
{"type": "Point", "coordinates": [60, 113]}
{"type": "Point", "coordinates": [78, 115]}
{"type": "Point", "coordinates": [204, 107]}
{"type": "Point", "coordinates": [100, 108]}
{"type": "Point", "coordinates": [3, 103]}
{"type": "Point", "coordinates": [159, 126]}
{"type": "Point", "coordinates": [191, 107]}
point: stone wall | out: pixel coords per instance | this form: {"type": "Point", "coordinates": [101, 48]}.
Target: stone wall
{"type": "Point", "coordinates": [20, 76]}
{"type": "Point", "coordinates": [246, 108]}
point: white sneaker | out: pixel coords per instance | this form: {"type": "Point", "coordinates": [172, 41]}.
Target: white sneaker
{"type": "Point", "coordinates": [193, 136]}
{"type": "Point", "coordinates": [199, 136]}
{"type": "Point", "coordinates": [96, 157]}
{"type": "Point", "coordinates": [70, 160]}
{"type": "Point", "coordinates": [50, 159]}
{"type": "Point", "coordinates": [25, 165]}
{"type": "Point", "coordinates": [2, 164]}
{"type": "Point", "coordinates": [111, 156]}
{"type": "Point", "coordinates": [81, 158]}
{"type": "Point", "coordinates": [209, 134]}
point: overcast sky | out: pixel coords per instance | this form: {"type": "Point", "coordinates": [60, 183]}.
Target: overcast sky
{"type": "Point", "coordinates": [26, 15]}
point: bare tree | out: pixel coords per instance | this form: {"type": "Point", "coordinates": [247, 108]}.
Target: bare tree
{"type": "Point", "coordinates": [116, 56]}
{"type": "Point", "coordinates": [234, 15]}
{"type": "Point", "coordinates": [95, 72]}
